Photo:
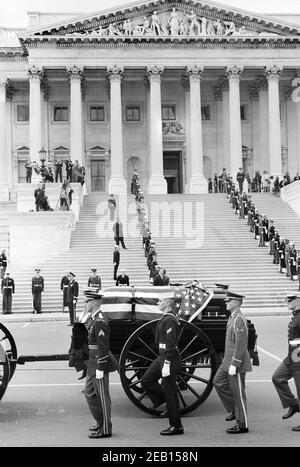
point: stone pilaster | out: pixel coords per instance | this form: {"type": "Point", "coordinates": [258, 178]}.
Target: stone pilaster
{"type": "Point", "coordinates": [272, 73]}
{"type": "Point", "coordinates": [4, 193]}
{"type": "Point", "coordinates": [117, 183]}
{"type": "Point", "coordinates": [197, 182]}
{"type": "Point", "coordinates": [75, 74]}
{"type": "Point", "coordinates": [157, 182]}
{"type": "Point", "coordinates": [235, 129]}
{"type": "Point", "coordinates": [35, 75]}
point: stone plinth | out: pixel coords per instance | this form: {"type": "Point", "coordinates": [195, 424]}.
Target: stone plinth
{"type": "Point", "coordinates": [26, 201]}
{"type": "Point", "coordinates": [37, 236]}
{"type": "Point", "coordinates": [290, 194]}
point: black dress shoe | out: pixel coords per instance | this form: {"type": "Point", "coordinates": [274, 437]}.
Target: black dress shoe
{"type": "Point", "coordinates": [292, 410]}
{"type": "Point", "coordinates": [230, 417]}
{"type": "Point", "coordinates": [171, 431]}
{"type": "Point", "coordinates": [296, 428]}
{"type": "Point", "coordinates": [236, 430]}
{"type": "Point", "coordinates": [94, 428]}
{"type": "Point", "coordinates": [98, 434]}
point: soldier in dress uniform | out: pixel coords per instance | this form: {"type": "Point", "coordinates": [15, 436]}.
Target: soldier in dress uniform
{"type": "Point", "coordinates": [229, 380]}
{"type": "Point", "coordinates": [94, 280]}
{"type": "Point", "coordinates": [58, 170]}
{"type": "Point", "coordinates": [281, 250]}
{"type": "Point", "coordinates": [166, 366]}
{"type": "Point", "coordinates": [7, 289]}
{"type": "Point", "coordinates": [116, 261]}
{"type": "Point", "coordinates": [271, 235]}
{"type": "Point", "coordinates": [256, 221]}
{"type": "Point", "coordinates": [240, 177]}
{"type": "Point", "coordinates": [264, 231]}
{"type": "Point", "coordinates": [3, 263]}
{"type": "Point", "coordinates": [298, 267]}
{"type": "Point", "coordinates": [293, 262]}
{"type": "Point", "coordinates": [100, 363]}
{"type": "Point", "coordinates": [287, 257]}
{"type": "Point", "coordinates": [122, 279]}
{"type": "Point", "coordinates": [72, 297]}
{"type": "Point", "coordinates": [63, 287]}
{"type": "Point", "coordinates": [290, 367]}
{"type": "Point", "coordinates": [276, 243]}
{"type": "Point", "coordinates": [28, 168]}
{"type": "Point", "coordinates": [37, 287]}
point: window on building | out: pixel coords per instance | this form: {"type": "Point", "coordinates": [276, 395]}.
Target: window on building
{"type": "Point", "coordinates": [168, 112]}
{"type": "Point", "coordinates": [205, 112]}
{"type": "Point", "coordinates": [21, 171]}
{"type": "Point", "coordinates": [23, 113]}
{"type": "Point", "coordinates": [60, 113]}
{"type": "Point", "coordinates": [97, 113]}
{"type": "Point", "coordinates": [133, 113]}
{"type": "Point", "coordinates": [243, 112]}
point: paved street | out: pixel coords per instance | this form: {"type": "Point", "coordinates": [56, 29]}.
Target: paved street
{"type": "Point", "coordinates": [44, 404]}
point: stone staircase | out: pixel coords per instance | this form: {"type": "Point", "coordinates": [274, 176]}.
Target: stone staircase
{"type": "Point", "coordinates": [228, 254]}
{"type": "Point", "coordinates": [5, 209]}
{"type": "Point", "coordinates": [89, 248]}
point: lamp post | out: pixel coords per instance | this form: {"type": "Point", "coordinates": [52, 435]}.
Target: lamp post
{"type": "Point", "coordinates": [42, 154]}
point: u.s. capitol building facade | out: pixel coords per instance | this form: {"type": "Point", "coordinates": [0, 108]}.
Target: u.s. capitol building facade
{"type": "Point", "coordinates": [177, 89]}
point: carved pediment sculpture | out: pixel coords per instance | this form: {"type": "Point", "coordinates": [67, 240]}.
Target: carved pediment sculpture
{"type": "Point", "coordinates": [172, 128]}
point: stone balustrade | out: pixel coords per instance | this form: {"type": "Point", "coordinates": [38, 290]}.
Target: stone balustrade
{"type": "Point", "coordinates": [290, 194]}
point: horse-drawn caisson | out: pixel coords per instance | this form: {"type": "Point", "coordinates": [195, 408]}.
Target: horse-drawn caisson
{"type": "Point", "coordinates": [133, 313]}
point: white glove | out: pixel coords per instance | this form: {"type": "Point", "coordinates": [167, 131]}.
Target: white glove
{"type": "Point", "coordinates": [99, 374]}
{"type": "Point", "coordinates": [232, 370]}
{"type": "Point", "coordinates": [74, 301]}
{"type": "Point", "coordinates": [166, 370]}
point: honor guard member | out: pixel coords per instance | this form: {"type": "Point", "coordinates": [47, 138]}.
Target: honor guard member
{"type": "Point", "coordinates": [287, 257]}
{"type": "Point", "coordinates": [116, 261]}
{"type": "Point", "coordinates": [298, 268]}
{"type": "Point", "coordinates": [7, 289]}
{"type": "Point", "coordinates": [271, 235]}
{"type": "Point", "coordinates": [58, 171]}
{"type": "Point", "coordinates": [94, 280]}
{"type": "Point", "coordinates": [229, 380]}
{"type": "Point", "coordinates": [240, 177]}
{"type": "Point", "coordinates": [293, 262]}
{"type": "Point", "coordinates": [72, 297]}
{"type": "Point", "coordinates": [3, 263]}
{"type": "Point", "coordinates": [122, 279]}
{"type": "Point", "coordinates": [100, 363]}
{"type": "Point", "coordinates": [256, 221]}
{"type": "Point", "coordinates": [37, 288]}
{"type": "Point", "coordinates": [276, 247]}
{"type": "Point", "coordinates": [63, 287]}
{"type": "Point", "coordinates": [290, 367]}
{"type": "Point", "coordinates": [282, 265]}
{"type": "Point", "coordinates": [166, 367]}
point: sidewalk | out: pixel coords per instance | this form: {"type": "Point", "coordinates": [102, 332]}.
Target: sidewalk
{"type": "Point", "coordinates": [48, 317]}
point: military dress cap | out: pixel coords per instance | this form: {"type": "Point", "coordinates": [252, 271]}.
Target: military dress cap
{"type": "Point", "coordinates": [37, 269]}
{"type": "Point", "coordinates": [292, 295]}
{"type": "Point", "coordinates": [222, 286]}
{"type": "Point", "coordinates": [93, 269]}
{"type": "Point", "coordinates": [72, 274]}
{"type": "Point", "coordinates": [234, 296]}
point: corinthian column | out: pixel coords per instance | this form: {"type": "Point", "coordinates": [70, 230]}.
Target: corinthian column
{"type": "Point", "coordinates": [272, 74]}
{"type": "Point", "coordinates": [157, 182]}
{"type": "Point", "coordinates": [117, 183]}
{"type": "Point", "coordinates": [197, 183]}
{"type": "Point", "coordinates": [35, 121]}
{"type": "Point", "coordinates": [235, 138]}
{"type": "Point", "coordinates": [75, 74]}
{"type": "Point", "coordinates": [4, 194]}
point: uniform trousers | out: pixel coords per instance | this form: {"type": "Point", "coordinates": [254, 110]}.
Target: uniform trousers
{"type": "Point", "coordinates": [6, 303]}
{"type": "Point", "coordinates": [231, 390]}
{"type": "Point", "coordinates": [72, 312]}
{"type": "Point", "coordinates": [280, 380]}
{"type": "Point", "coordinates": [99, 402]}
{"type": "Point", "coordinates": [115, 271]}
{"type": "Point", "coordinates": [37, 302]}
{"type": "Point", "coordinates": [287, 262]}
{"type": "Point", "coordinates": [166, 391]}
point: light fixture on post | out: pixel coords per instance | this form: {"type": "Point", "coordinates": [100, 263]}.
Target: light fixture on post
{"type": "Point", "coordinates": [43, 154]}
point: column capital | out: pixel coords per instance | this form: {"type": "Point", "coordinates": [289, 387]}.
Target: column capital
{"type": "Point", "coordinates": [35, 73]}
{"type": "Point", "coordinates": [261, 82]}
{"type": "Point", "coordinates": [273, 72]}
{"type": "Point", "coordinates": [154, 72]}
{"type": "Point", "coordinates": [115, 72]}
{"type": "Point", "coordinates": [233, 72]}
{"type": "Point", "coordinates": [194, 72]}
{"type": "Point", "coordinates": [75, 73]}
{"type": "Point", "coordinates": [223, 82]}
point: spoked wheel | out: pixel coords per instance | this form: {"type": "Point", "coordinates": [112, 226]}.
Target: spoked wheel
{"type": "Point", "coordinates": [4, 371]}
{"type": "Point", "coordinates": [195, 380]}
{"type": "Point", "coordinates": [9, 345]}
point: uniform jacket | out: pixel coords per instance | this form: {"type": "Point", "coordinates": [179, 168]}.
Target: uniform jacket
{"type": "Point", "coordinates": [159, 280]}
{"type": "Point", "coordinates": [3, 260]}
{"type": "Point", "coordinates": [94, 281]}
{"type": "Point", "coordinates": [118, 229]}
{"type": "Point", "coordinates": [122, 280]}
{"type": "Point", "coordinates": [100, 357]}
{"type": "Point", "coordinates": [236, 344]}
{"type": "Point", "coordinates": [64, 282]}
{"type": "Point", "coordinates": [8, 286]}
{"type": "Point", "coordinates": [37, 284]}
{"type": "Point", "coordinates": [167, 331]}
{"type": "Point", "coordinates": [72, 291]}
{"type": "Point", "coordinates": [116, 257]}
{"type": "Point", "coordinates": [293, 358]}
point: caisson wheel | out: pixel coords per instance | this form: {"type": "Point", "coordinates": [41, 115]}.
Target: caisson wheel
{"type": "Point", "coordinates": [195, 380]}
{"type": "Point", "coordinates": [8, 343]}
{"type": "Point", "coordinates": [4, 371]}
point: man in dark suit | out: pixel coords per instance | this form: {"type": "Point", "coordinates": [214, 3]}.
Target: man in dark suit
{"type": "Point", "coordinates": [72, 297]}
{"type": "Point", "coordinates": [69, 168]}
{"type": "Point", "coordinates": [160, 278]}
{"type": "Point", "coordinates": [37, 287]}
{"type": "Point", "coordinates": [229, 380]}
{"type": "Point", "coordinates": [58, 171]}
{"type": "Point", "coordinates": [122, 279]}
{"type": "Point", "coordinates": [118, 233]}
{"type": "Point", "coordinates": [28, 168]}
{"type": "Point", "coordinates": [116, 261]}
{"type": "Point", "coordinates": [7, 289]}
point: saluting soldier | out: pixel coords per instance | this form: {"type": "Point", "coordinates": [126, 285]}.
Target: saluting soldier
{"type": "Point", "coordinates": [7, 289]}
{"type": "Point", "coordinates": [290, 367]}
{"type": "Point", "coordinates": [37, 288]}
{"type": "Point", "coordinates": [229, 380]}
{"type": "Point", "coordinates": [72, 297]}
{"type": "Point", "coordinates": [63, 287]}
{"type": "Point", "coordinates": [166, 366]}
{"type": "Point", "coordinates": [293, 263]}
{"type": "Point", "coordinates": [94, 280]}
